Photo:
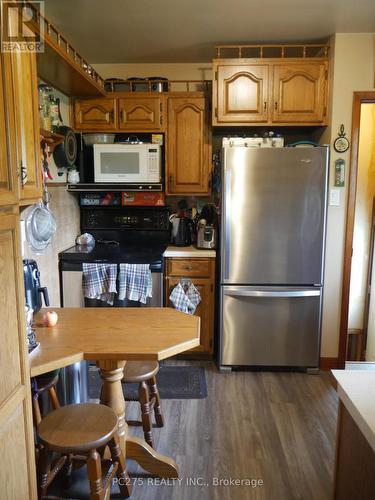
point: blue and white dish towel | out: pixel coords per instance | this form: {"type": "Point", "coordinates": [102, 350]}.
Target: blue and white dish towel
{"type": "Point", "coordinates": [99, 281]}
{"type": "Point", "coordinates": [185, 299]}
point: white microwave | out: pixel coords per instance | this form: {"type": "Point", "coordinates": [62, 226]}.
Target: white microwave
{"type": "Point", "coordinates": [127, 163]}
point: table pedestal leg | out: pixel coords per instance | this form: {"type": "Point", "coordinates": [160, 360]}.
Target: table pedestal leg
{"type": "Point", "coordinates": [111, 372]}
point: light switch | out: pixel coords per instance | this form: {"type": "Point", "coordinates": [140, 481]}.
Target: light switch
{"type": "Point", "coordinates": [334, 197]}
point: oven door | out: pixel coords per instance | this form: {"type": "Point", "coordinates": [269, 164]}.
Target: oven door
{"type": "Point", "coordinates": [71, 294]}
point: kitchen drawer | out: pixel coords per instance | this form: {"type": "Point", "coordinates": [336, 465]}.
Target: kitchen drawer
{"type": "Point", "coordinates": [190, 267]}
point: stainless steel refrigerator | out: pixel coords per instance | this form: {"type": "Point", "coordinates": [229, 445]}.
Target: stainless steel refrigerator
{"type": "Point", "coordinates": [272, 255]}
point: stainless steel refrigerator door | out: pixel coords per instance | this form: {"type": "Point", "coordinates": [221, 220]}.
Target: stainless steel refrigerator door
{"type": "Point", "coordinates": [274, 205]}
{"type": "Point", "coordinates": [273, 326]}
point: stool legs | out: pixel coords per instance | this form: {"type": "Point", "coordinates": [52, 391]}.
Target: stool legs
{"type": "Point", "coordinates": [121, 474]}
{"type": "Point", "coordinates": [53, 397]}
{"type": "Point", "coordinates": [94, 470]}
{"type": "Point", "coordinates": [43, 472]}
{"type": "Point", "coordinates": [154, 394]}
{"type": "Point", "coordinates": [144, 399]}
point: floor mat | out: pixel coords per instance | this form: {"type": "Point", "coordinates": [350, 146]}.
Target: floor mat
{"type": "Point", "coordinates": [174, 382]}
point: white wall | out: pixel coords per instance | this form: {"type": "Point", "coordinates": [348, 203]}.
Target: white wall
{"type": "Point", "coordinates": [353, 70]}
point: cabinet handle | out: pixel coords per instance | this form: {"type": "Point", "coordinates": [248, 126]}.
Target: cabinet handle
{"type": "Point", "coordinates": [188, 268]}
{"type": "Point", "coordinates": [170, 182]}
{"type": "Point", "coordinates": [275, 104]}
{"type": "Point", "coordinates": [22, 172]}
{"type": "Point", "coordinates": [265, 106]}
{"type": "Point", "coordinates": [122, 115]}
{"type": "Point", "coordinates": [111, 116]}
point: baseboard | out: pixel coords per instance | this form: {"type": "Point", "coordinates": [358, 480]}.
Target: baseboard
{"type": "Point", "coordinates": [326, 364]}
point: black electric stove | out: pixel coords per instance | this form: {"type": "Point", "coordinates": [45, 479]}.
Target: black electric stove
{"type": "Point", "coordinates": [133, 235]}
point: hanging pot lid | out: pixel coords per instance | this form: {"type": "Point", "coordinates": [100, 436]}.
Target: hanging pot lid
{"type": "Point", "coordinates": [40, 226]}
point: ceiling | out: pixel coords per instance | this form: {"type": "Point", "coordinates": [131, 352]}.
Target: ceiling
{"type": "Point", "coordinates": [138, 31]}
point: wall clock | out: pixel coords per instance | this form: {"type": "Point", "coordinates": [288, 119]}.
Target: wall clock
{"type": "Point", "coordinates": [341, 143]}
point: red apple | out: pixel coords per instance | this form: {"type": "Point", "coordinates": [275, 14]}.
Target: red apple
{"type": "Point", "coordinates": [50, 318]}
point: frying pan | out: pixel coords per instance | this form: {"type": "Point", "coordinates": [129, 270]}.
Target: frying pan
{"type": "Point", "coordinates": [65, 154]}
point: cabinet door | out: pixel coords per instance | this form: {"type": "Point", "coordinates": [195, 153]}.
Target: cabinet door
{"type": "Point", "coordinates": [27, 121]}
{"type": "Point", "coordinates": [205, 310]}
{"type": "Point", "coordinates": [188, 152]}
{"type": "Point", "coordinates": [8, 158]}
{"type": "Point", "coordinates": [17, 464]}
{"type": "Point", "coordinates": [95, 115]}
{"type": "Point", "coordinates": [138, 114]}
{"type": "Point", "coordinates": [299, 92]}
{"type": "Point", "coordinates": [241, 94]}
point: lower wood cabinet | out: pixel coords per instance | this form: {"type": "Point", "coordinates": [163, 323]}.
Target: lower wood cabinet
{"type": "Point", "coordinates": [17, 463]}
{"type": "Point", "coordinates": [201, 272]}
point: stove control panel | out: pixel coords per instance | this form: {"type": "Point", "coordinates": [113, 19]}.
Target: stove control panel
{"type": "Point", "coordinates": [138, 218]}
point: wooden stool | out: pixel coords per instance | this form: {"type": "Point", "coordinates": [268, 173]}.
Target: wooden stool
{"type": "Point", "coordinates": [42, 384]}
{"type": "Point", "coordinates": [82, 429]}
{"type": "Point", "coordinates": [143, 372]}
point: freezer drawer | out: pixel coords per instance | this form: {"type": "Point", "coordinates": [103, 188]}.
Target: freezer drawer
{"type": "Point", "coordinates": [270, 326]}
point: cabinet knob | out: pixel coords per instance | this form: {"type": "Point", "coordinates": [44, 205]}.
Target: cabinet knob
{"type": "Point", "coordinates": [265, 106]}
{"type": "Point", "coordinates": [275, 104]}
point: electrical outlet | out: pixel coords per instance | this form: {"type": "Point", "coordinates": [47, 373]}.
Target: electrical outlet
{"type": "Point", "coordinates": [334, 197]}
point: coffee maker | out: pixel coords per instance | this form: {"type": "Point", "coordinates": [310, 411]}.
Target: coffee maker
{"type": "Point", "coordinates": [33, 290]}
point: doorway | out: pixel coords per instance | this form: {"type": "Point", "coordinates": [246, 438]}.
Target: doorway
{"type": "Point", "coordinates": [357, 305]}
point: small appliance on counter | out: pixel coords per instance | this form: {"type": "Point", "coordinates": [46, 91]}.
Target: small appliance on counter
{"type": "Point", "coordinates": [206, 238]}
{"type": "Point", "coordinates": [33, 290]}
{"type": "Point", "coordinates": [181, 231]}
{"type": "Point", "coordinates": [207, 228]}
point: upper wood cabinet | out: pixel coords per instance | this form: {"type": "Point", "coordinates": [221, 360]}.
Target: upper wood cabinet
{"type": "Point", "coordinates": [138, 114]}
{"type": "Point", "coordinates": [188, 161]}
{"type": "Point", "coordinates": [29, 167]}
{"type": "Point", "coordinates": [17, 464]}
{"type": "Point", "coordinates": [242, 93]}
{"type": "Point", "coordinates": [128, 113]}
{"type": "Point", "coordinates": [8, 158]}
{"type": "Point", "coordinates": [261, 92]}
{"type": "Point", "coordinates": [299, 92]}
{"type": "Point", "coordinates": [95, 114]}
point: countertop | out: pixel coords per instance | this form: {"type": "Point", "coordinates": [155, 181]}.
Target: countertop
{"type": "Point", "coordinates": [356, 389]}
{"type": "Point", "coordinates": [188, 252]}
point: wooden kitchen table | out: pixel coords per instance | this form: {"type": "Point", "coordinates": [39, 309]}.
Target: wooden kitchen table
{"type": "Point", "coordinates": [111, 336]}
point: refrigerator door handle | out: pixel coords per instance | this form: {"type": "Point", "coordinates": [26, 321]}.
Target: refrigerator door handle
{"type": "Point", "coordinates": [243, 292]}
{"type": "Point", "coordinates": [228, 221]}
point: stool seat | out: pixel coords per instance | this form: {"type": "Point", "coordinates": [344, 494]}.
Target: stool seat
{"type": "Point", "coordinates": [137, 371]}
{"type": "Point", "coordinates": [78, 427]}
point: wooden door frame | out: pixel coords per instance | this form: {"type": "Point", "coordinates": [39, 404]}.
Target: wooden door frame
{"type": "Point", "coordinates": [359, 98]}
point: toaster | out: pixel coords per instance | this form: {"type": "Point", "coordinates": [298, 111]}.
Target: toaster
{"type": "Point", "coordinates": [206, 237]}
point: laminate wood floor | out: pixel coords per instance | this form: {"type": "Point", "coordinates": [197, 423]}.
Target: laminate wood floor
{"type": "Point", "coordinates": [278, 428]}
